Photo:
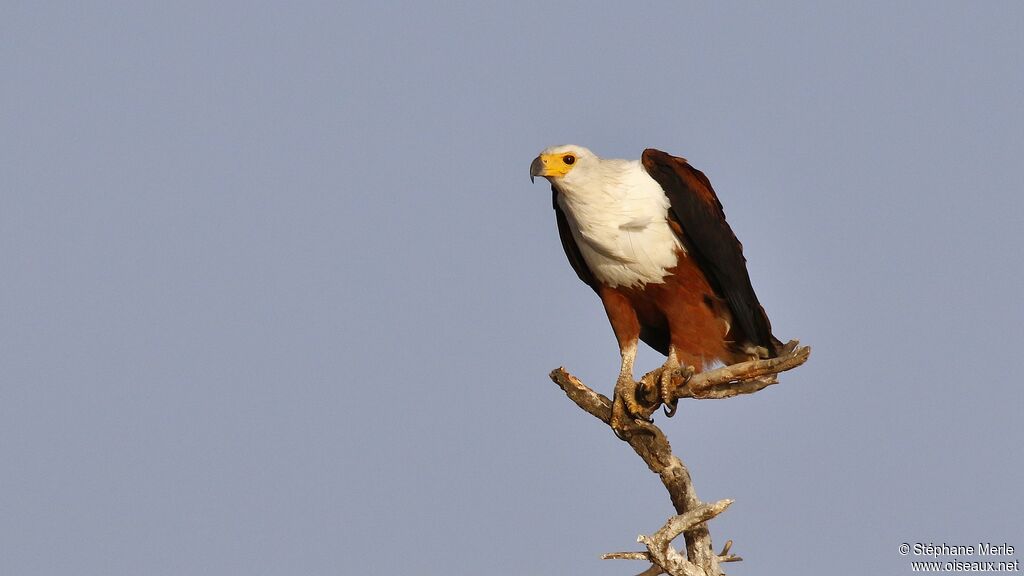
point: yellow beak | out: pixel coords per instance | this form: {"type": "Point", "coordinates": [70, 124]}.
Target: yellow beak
{"type": "Point", "coordinates": [548, 166]}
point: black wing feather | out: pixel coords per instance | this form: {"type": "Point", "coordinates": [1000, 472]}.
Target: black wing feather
{"type": "Point", "coordinates": [712, 242]}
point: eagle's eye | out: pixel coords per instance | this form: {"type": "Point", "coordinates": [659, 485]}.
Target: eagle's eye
{"type": "Point", "coordinates": [569, 159]}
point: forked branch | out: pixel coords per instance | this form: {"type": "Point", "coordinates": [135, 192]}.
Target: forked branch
{"type": "Point", "coordinates": [653, 447]}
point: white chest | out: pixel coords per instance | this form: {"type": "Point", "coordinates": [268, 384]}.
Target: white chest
{"type": "Point", "coordinates": [622, 231]}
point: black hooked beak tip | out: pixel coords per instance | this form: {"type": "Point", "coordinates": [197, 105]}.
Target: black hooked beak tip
{"type": "Point", "coordinates": [535, 168]}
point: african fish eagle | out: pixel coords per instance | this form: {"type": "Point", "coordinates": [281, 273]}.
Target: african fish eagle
{"type": "Point", "coordinates": [650, 238]}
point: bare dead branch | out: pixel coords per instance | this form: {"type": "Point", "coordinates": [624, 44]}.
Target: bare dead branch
{"type": "Point", "coordinates": [594, 403]}
{"type": "Point", "coordinates": [626, 556]}
{"type": "Point", "coordinates": [725, 556]}
{"type": "Point", "coordinates": [676, 525]}
{"type": "Point", "coordinates": [653, 447]}
{"type": "Point", "coordinates": [732, 380]}
{"type": "Point", "coordinates": [650, 443]}
{"type": "Point", "coordinates": [659, 545]}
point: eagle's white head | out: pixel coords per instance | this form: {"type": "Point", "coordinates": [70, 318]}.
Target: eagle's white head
{"type": "Point", "coordinates": [568, 165]}
{"type": "Point", "coordinates": [616, 212]}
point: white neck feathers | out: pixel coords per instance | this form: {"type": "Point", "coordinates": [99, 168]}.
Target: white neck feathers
{"type": "Point", "coordinates": [617, 214]}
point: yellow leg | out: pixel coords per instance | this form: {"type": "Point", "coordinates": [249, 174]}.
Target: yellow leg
{"type": "Point", "coordinates": [625, 408]}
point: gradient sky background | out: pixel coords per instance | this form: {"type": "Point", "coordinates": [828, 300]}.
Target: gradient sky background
{"type": "Point", "coordinates": [278, 296]}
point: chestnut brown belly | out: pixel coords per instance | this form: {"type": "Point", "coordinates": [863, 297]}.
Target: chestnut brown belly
{"type": "Point", "coordinates": [684, 311]}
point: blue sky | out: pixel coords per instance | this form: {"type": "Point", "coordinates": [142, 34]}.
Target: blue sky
{"type": "Point", "coordinates": [280, 298]}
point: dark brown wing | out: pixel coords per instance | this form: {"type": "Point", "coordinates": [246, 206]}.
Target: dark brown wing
{"type": "Point", "coordinates": [712, 243]}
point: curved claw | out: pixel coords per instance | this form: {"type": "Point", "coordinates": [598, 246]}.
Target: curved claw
{"type": "Point", "coordinates": [665, 388]}
{"type": "Point", "coordinates": [668, 404]}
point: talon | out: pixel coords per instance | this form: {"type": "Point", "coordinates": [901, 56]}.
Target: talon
{"type": "Point", "coordinates": [670, 403]}
{"type": "Point", "coordinates": [665, 388]}
{"type": "Point", "coordinates": [647, 391]}
{"type": "Point", "coordinates": [625, 392]}
{"type": "Point", "coordinates": [624, 426]}
{"type": "Point", "coordinates": [627, 413]}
